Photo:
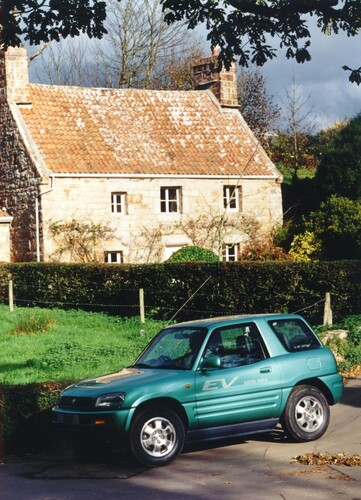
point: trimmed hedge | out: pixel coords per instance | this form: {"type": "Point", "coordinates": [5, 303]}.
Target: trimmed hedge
{"type": "Point", "coordinates": [25, 417]}
{"type": "Point", "coordinates": [226, 288]}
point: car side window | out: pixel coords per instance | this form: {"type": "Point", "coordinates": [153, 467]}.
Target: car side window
{"type": "Point", "coordinates": [294, 335]}
{"type": "Point", "coordinates": [236, 345]}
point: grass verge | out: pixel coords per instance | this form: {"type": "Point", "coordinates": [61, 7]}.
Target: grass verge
{"type": "Point", "coordinates": [40, 345]}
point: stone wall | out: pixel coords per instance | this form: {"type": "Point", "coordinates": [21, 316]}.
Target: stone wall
{"type": "Point", "coordinates": [18, 188]}
{"type": "Point", "coordinates": [144, 233]}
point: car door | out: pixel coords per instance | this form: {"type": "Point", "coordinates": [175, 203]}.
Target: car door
{"type": "Point", "coordinates": [246, 386]}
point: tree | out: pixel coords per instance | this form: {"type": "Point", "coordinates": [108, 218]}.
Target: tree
{"type": "Point", "coordinates": [333, 231]}
{"type": "Point", "coordinates": [49, 20]}
{"type": "Point", "coordinates": [139, 50]}
{"type": "Point", "coordinates": [176, 71]}
{"type": "Point", "coordinates": [256, 106]}
{"type": "Point", "coordinates": [243, 28]}
{"type": "Point", "coordinates": [339, 171]}
{"type": "Point", "coordinates": [293, 146]}
{"type": "Point", "coordinates": [138, 42]}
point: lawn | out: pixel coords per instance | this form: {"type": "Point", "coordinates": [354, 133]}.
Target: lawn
{"type": "Point", "coordinates": [39, 345]}
{"type": "Point", "coordinates": [42, 345]}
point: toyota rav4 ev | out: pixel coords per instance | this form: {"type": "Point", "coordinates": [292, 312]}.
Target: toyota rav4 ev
{"type": "Point", "coordinates": [208, 379]}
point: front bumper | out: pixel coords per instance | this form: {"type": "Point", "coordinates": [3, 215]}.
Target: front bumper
{"type": "Point", "coordinates": [71, 420]}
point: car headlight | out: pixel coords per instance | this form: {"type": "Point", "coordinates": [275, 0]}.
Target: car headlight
{"type": "Point", "coordinates": [112, 401]}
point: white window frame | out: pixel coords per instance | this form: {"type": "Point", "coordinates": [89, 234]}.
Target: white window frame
{"type": "Point", "coordinates": [110, 254]}
{"type": "Point", "coordinates": [118, 202]}
{"type": "Point", "coordinates": [167, 201]}
{"type": "Point", "coordinates": [231, 252]}
{"type": "Point", "coordinates": [231, 198]}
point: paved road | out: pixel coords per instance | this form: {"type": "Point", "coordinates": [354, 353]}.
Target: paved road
{"type": "Point", "coordinates": [259, 468]}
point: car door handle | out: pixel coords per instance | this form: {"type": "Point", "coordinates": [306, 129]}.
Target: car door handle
{"type": "Point", "coordinates": [266, 369]}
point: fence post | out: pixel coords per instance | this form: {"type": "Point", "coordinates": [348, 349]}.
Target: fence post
{"type": "Point", "coordinates": [11, 294]}
{"type": "Point", "coordinates": [141, 305]}
{"type": "Point", "coordinates": [327, 313]}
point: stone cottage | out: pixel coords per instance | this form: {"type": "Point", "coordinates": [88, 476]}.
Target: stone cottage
{"type": "Point", "coordinates": [151, 171]}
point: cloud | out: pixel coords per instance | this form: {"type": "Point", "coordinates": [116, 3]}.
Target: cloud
{"type": "Point", "coordinates": [322, 79]}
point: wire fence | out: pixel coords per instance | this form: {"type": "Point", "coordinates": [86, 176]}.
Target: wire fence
{"type": "Point", "coordinates": [147, 305]}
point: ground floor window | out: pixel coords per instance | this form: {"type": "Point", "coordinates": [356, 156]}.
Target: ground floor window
{"type": "Point", "coordinates": [230, 253]}
{"type": "Point", "coordinates": [114, 257]}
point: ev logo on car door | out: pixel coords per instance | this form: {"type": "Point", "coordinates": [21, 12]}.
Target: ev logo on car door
{"type": "Point", "coordinates": [218, 383]}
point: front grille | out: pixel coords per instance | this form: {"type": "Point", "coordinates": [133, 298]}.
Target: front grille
{"type": "Point", "coordinates": [76, 403]}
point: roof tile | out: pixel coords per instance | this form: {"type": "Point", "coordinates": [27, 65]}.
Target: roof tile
{"type": "Point", "coordinates": [116, 131]}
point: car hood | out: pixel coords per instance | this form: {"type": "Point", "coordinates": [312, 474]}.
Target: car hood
{"type": "Point", "coordinates": [125, 379]}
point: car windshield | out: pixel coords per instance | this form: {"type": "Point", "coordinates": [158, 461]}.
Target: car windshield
{"type": "Point", "coordinates": [174, 348]}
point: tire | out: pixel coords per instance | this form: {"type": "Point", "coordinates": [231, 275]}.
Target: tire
{"type": "Point", "coordinates": [306, 415]}
{"type": "Point", "coordinates": [157, 437]}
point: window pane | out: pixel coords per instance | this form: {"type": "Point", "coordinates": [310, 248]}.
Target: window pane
{"type": "Point", "coordinates": [230, 253]}
{"type": "Point", "coordinates": [230, 197]}
{"type": "Point", "coordinates": [114, 257]}
{"type": "Point", "coordinates": [169, 200]}
{"type": "Point", "coordinates": [118, 202]}
{"type": "Point", "coordinates": [294, 335]}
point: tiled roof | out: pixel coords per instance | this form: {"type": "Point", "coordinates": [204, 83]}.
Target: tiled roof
{"type": "Point", "coordinates": [115, 131]}
{"type": "Point", "coordinates": [4, 215]}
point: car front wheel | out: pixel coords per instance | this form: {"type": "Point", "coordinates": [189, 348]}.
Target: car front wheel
{"type": "Point", "coordinates": [157, 437]}
{"type": "Point", "coordinates": [306, 415]}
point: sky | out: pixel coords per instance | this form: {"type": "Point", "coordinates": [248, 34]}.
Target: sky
{"type": "Point", "coordinates": [322, 80]}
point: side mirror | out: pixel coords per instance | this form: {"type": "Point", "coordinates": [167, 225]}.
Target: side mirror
{"type": "Point", "coordinates": [210, 363]}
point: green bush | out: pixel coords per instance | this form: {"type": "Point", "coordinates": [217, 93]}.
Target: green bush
{"type": "Point", "coordinates": [193, 254]}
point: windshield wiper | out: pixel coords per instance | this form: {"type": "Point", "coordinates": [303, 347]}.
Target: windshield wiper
{"type": "Point", "coordinates": [140, 365]}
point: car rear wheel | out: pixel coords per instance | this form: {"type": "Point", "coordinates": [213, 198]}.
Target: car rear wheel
{"type": "Point", "coordinates": [306, 415]}
{"type": "Point", "coordinates": [157, 437]}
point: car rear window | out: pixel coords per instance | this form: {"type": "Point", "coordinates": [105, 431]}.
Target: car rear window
{"type": "Point", "coordinates": [294, 334]}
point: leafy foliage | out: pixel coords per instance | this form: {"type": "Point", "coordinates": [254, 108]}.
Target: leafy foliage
{"type": "Point", "coordinates": [265, 250]}
{"type": "Point", "coordinates": [339, 171]}
{"type": "Point", "coordinates": [305, 247]}
{"type": "Point", "coordinates": [347, 350]}
{"type": "Point", "coordinates": [50, 20]}
{"type": "Point", "coordinates": [230, 288]}
{"type": "Point", "coordinates": [336, 225]}
{"type": "Point", "coordinates": [193, 254]}
{"type": "Point", "coordinates": [231, 22]}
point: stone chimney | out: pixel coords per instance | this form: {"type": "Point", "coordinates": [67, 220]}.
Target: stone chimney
{"type": "Point", "coordinates": [14, 76]}
{"type": "Point", "coordinates": [208, 75]}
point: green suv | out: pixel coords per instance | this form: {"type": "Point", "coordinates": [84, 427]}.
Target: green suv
{"type": "Point", "coordinates": [208, 379]}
